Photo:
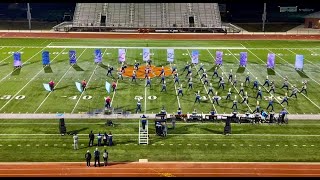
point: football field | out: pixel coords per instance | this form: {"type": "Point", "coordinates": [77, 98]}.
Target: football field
{"type": "Point", "coordinates": [22, 89]}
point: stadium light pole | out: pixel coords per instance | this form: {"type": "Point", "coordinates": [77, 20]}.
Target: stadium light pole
{"type": "Point", "coordinates": [264, 15]}
{"type": "Point", "coordinates": [29, 15]}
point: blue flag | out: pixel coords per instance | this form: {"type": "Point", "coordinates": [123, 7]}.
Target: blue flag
{"type": "Point", "coordinates": [195, 56]}
{"type": "Point", "coordinates": [47, 87]}
{"type": "Point", "coordinates": [108, 86]}
{"type": "Point", "coordinates": [45, 58]}
{"type": "Point", "coordinates": [78, 85]}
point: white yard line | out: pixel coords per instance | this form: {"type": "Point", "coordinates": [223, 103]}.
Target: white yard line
{"type": "Point", "coordinates": [288, 81]}
{"type": "Point", "coordinates": [263, 135]}
{"type": "Point", "coordinates": [305, 58]}
{"type": "Point", "coordinates": [88, 84]}
{"type": "Point", "coordinates": [175, 87]}
{"type": "Point", "coordinates": [114, 92]}
{"type": "Point", "coordinates": [258, 81]}
{"type": "Point", "coordinates": [145, 97]}
{"type": "Point", "coordinates": [22, 64]}
{"type": "Point", "coordinates": [44, 42]}
{"type": "Point", "coordinates": [231, 82]}
{"type": "Point", "coordinates": [57, 84]}
{"type": "Point", "coordinates": [205, 124]}
{"type": "Point", "coordinates": [85, 90]}
{"type": "Point", "coordinates": [293, 66]}
{"type": "Point", "coordinates": [203, 85]}
{"type": "Point", "coordinates": [28, 83]}
{"type": "Point", "coordinates": [133, 47]}
{"type": "Point", "coordinates": [10, 55]}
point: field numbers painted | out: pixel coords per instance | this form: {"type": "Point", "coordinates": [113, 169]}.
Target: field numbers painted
{"type": "Point", "coordinates": [86, 97]}
{"type": "Point", "coordinates": [12, 52]}
{"type": "Point", "coordinates": [7, 97]}
{"type": "Point", "coordinates": [152, 97]}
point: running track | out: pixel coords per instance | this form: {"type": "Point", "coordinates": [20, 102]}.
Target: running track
{"type": "Point", "coordinates": [161, 169]}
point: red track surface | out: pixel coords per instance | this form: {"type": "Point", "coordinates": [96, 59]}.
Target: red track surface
{"type": "Point", "coordinates": [165, 169]}
{"type": "Point", "coordinates": [153, 36]}
{"type": "Point", "coordinates": [178, 169]}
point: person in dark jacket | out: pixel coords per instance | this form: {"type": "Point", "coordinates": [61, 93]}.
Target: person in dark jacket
{"type": "Point", "coordinates": [88, 158]}
{"type": "Point", "coordinates": [91, 138]}
{"type": "Point", "coordinates": [105, 139]}
{"type": "Point", "coordinates": [110, 139]}
{"type": "Point", "coordinates": [96, 157]}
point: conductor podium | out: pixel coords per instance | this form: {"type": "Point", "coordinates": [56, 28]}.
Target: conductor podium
{"type": "Point", "coordinates": [62, 127]}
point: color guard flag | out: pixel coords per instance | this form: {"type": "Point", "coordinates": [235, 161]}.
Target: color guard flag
{"type": "Point", "coordinates": [108, 86]}
{"type": "Point", "coordinates": [146, 54]}
{"type": "Point", "coordinates": [122, 55]}
{"type": "Point", "coordinates": [243, 58]}
{"type": "Point", "coordinates": [72, 57]}
{"type": "Point", "coordinates": [45, 58]}
{"type": "Point", "coordinates": [219, 55]}
{"type": "Point", "coordinates": [195, 56]}
{"type": "Point", "coordinates": [17, 59]}
{"type": "Point", "coordinates": [47, 87]}
{"type": "Point", "coordinates": [170, 55]}
{"type": "Point", "coordinates": [271, 60]}
{"type": "Point", "coordinates": [97, 56]}
{"type": "Point", "coordinates": [78, 85]}
{"type": "Point", "coordinates": [299, 62]}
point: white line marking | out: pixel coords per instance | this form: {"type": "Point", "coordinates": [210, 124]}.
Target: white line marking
{"type": "Point", "coordinates": [10, 55]}
{"type": "Point", "coordinates": [295, 145]}
{"type": "Point", "coordinates": [19, 145]}
{"type": "Point", "coordinates": [189, 144]}
{"type": "Point", "coordinates": [204, 85]}
{"type": "Point", "coordinates": [132, 47]}
{"type": "Point", "coordinates": [22, 64]}
{"type": "Point", "coordinates": [288, 81]}
{"type": "Point", "coordinates": [175, 87]}
{"type": "Point", "coordinates": [57, 84]}
{"type": "Point", "coordinates": [312, 145]}
{"type": "Point", "coordinates": [231, 82]}
{"type": "Point", "coordinates": [262, 135]}
{"type": "Point", "coordinates": [87, 84]}
{"type": "Point", "coordinates": [293, 66]}
{"type": "Point", "coordinates": [171, 144]}
{"type": "Point", "coordinates": [206, 144]}
{"type": "Point", "coordinates": [162, 144]}
{"type": "Point", "coordinates": [277, 144]}
{"type": "Point", "coordinates": [26, 84]}
{"type": "Point", "coordinates": [9, 145]}
{"type": "Point", "coordinates": [258, 81]}
{"type": "Point", "coordinates": [305, 58]}
{"type": "Point", "coordinates": [286, 145]}
{"type": "Point", "coordinates": [304, 145]}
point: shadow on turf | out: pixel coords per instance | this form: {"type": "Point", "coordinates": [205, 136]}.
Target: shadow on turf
{"type": "Point", "coordinates": [270, 71]}
{"type": "Point", "coordinates": [16, 72]}
{"type": "Point", "coordinates": [77, 67]}
{"type": "Point", "coordinates": [302, 74]}
{"type": "Point", "coordinates": [63, 87]}
{"type": "Point", "coordinates": [47, 69]}
{"type": "Point", "coordinates": [77, 131]}
{"type": "Point", "coordinates": [241, 69]}
{"type": "Point", "coordinates": [103, 66]}
{"type": "Point", "coordinates": [4, 64]}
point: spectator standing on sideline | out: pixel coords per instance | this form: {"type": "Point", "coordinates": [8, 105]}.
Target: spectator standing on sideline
{"type": "Point", "coordinates": [110, 139]}
{"type": "Point", "coordinates": [88, 158]}
{"type": "Point", "coordinates": [143, 122]}
{"type": "Point", "coordinates": [99, 137]}
{"type": "Point", "coordinates": [96, 157]}
{"type": "Point", "coordinates": [105, 157]}
{"type": "Point", "coordinates": [105, 139]}
{"type": "Point", "coordinates": [75, 141]}
{"type": "Point", "coordinates": [91, 138]}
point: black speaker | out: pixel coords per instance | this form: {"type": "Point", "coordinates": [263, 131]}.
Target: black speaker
{"type": "Point", "coordinates": [61, 122]}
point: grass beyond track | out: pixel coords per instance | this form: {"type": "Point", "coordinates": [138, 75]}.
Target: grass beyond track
{"type": "Point", "coordinates": [38, 140]}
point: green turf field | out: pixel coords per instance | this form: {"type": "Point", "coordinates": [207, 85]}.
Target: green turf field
{"type": "Point", "coordinates": [38, 140]}
{"type": "Point", "coordinates": [22, 90]}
